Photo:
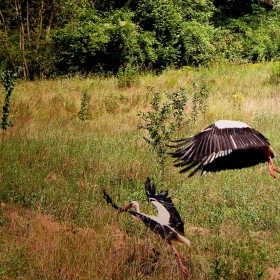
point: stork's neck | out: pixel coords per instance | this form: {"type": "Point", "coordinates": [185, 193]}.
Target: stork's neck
{"type": "Point", "coordinates": [162, 211]}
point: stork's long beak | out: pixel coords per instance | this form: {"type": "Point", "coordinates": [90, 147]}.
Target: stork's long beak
{"type": "Point", "coordinates": [127, 207]}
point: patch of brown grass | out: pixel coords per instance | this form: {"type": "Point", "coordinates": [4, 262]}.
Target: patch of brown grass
{"type": "Point", "coordinates": [274, 273]}
{"type": "Point", "coordinates": [56, 250]}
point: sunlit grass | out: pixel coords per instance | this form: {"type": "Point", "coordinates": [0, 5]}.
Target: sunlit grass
{"type": "Point", "coordinates": [54, 223]}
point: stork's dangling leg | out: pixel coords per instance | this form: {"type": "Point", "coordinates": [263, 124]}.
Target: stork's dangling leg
{"type": "Point", "coordinates": [184, 269]}
{"type": "Point", "coordinates": [271, 165]}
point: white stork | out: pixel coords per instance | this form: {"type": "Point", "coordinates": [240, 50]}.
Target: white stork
{"type": "Point", "coordinates": [224, 145]}
{"type": "Point", "coordinates": [168, 223]}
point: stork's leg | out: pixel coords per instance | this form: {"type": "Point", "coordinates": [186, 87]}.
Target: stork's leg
{"type": "Point", "coordinates": [271, 165]}
{"type": "Point", "coordinates": [184, 269]}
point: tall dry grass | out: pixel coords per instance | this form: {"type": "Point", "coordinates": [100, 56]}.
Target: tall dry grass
{"type": "Point", "coordinates": [54, 223]}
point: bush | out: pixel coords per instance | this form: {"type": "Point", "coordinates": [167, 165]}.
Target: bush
{"type": "Point", "coordinates": [258, 33]}
{"type": "Point", "coordinates": [128, 76]}
{"type": "Point", "coordinates": [79, 43]}
{"type": "Point", "coordinates": [198, 44]}
{"type": "Point", "coordinates": [165, 20]}
{"type": "Point", "coordinates": [84, 106]}
{"type": "Point", "coordinates": [163, 120]}
{"type": "Point", "coordinates": [128, 43]}
{"type": "Point", "coordinates": [91, 43]}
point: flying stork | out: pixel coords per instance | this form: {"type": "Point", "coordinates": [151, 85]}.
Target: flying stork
{"type": "Point", "coordinates": [223, 145]}
{"type": "Point", "coordinates": [168, 223]}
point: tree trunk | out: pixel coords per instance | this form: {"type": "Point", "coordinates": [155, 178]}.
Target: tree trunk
{"type": "Point", "coordinates": [39, 26]}
{"type": "Point", "coordinates": [6, 41]}
{"type": "Point", "coordinates": [22, 38]}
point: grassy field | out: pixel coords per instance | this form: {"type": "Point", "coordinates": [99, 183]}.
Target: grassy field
{"type": "Point", "coordinates": [54, 223]}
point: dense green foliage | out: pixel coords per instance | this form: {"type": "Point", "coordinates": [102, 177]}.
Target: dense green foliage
{"type": "Point", "coordinates": [51, 38]}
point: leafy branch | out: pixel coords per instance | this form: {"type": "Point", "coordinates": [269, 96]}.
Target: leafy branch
{"type": "Point", "coordinates": [163, 120]}
{"type": "Point", "coordinates": [8, 80]}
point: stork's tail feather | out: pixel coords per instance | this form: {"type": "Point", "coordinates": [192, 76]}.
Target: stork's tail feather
{"type": "Point", "coordinates": [183, 240]}
{"type": "Point", "coordinates": [273, 154]}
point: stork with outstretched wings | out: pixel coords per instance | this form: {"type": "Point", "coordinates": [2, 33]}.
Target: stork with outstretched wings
{"type": "Point", "coordinates": [223, 145]}
{"type": "Point", "coordinates": [168, 223]}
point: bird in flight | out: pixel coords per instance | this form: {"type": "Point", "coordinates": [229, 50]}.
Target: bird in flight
{"type": "Point", "coordinates": [168, 223]}
{"type": "Point", "coordinates": [223, 145]}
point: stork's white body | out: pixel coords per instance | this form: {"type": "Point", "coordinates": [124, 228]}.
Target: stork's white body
{"type": "Point", "coordinates": [162, 218]}
{"type": "Point", "coordinates": [230, 124]}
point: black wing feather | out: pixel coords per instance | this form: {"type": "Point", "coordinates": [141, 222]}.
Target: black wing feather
{"type": "Point", "coordinates": [175, 219]}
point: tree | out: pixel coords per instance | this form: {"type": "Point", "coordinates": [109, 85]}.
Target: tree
{"type": "Point", "coordinates": [25, 30]}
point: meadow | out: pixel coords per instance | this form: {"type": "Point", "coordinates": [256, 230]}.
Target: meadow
{"type": "Point", "coordinates": [54, 223]}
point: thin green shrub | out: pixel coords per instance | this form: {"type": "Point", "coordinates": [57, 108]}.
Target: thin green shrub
{"type": "Point", "coordinates": [199, 102]}
{"type": "Point", "coordinates": [84, 106]}
{"type": "Point", "coordinates": [8, 80]}
{"type": "Point", "coordinates": [163, 120]}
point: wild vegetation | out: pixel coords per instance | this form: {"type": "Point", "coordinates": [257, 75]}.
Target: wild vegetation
{"type": "Point", "coordinates": [64, 149]}
{"type": "Point", "coordinates": [62, 38]}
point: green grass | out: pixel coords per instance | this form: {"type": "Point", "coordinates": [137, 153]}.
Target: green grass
{"type": "Point", "coordinates": [54, 223]}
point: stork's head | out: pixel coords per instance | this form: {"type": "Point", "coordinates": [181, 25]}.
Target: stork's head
{"type": "Point", "coordinates": [134, 205]}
